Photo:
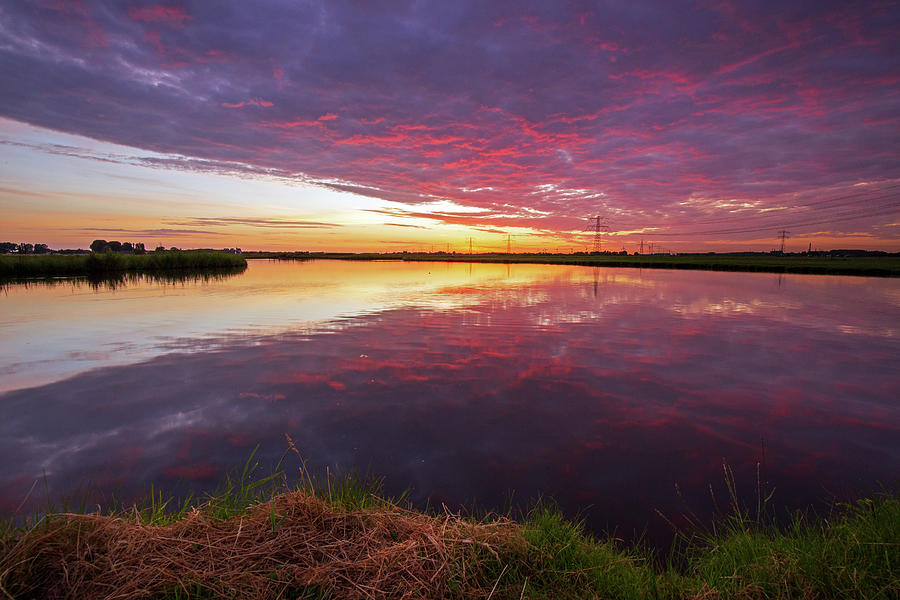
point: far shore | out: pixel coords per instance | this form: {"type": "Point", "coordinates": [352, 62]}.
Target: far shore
{"type": "Point", "coordinates": [858, 263]}
{"type": "Point", "coordinates": [806, 263]}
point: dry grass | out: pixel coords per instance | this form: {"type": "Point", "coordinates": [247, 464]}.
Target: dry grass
{"type": "Point", "coordinates": [293, 543]}
{"type": "Point", "coordinates": [257, 539]}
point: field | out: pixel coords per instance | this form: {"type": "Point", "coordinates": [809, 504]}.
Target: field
{"type": "Point", "coordinates": [877, 266]}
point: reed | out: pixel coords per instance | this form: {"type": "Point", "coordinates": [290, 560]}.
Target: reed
{"type": "Point", "coordinates": [57, 265]}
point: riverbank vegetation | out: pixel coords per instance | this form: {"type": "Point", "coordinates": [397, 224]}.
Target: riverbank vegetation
{"type": "Point", "coordinates": [816, 264]}
{"type": "Point", "coordinates": [262, 540]}
{"type": "Point", "coordinates": [105, 263]}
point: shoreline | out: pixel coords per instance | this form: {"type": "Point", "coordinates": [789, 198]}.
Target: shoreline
{"type": "Point", "coordinates": [865, 266]}
{"type": "Point", "coordinates": [14, 268]}
{"type": "Point", "coordinates": [262, 539]}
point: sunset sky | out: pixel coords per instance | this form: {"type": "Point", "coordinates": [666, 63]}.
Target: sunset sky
{"type": "Point", "coordinates": [696, 126]}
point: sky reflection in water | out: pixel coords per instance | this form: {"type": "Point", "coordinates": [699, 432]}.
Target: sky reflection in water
{"type": "Point", "coordinates": [599, 387]}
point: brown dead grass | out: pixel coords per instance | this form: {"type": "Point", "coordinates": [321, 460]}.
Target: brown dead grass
{"type": "Point", "coordinates": [275, 549]}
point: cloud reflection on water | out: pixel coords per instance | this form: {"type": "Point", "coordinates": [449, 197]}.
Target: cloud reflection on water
{"type": "Point", "coordinates": [531, 384]}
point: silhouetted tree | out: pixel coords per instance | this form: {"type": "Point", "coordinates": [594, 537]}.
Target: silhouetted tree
{"type": "Point", "coordinates": [26, 248]}
{"type": "Point", "coordinates": [115, 246]}
{"type": "Point", "coordinates": [127, 247]}
{"type": "Point", "coordinates": [8, 247]}
{"type": "Point", "coordinates": [99, 245]}
{"type": "Point", "coordinates": [41, 249]}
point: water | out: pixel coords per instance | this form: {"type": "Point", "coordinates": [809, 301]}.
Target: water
{"type": "Point", "coordinates": [468, 384]}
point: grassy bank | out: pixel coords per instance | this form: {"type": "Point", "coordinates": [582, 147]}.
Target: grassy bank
{"type": "Point", "coordinates": [261, 540]}
{"type": "Point", "coordinates": [876, 266]}
{"type": "Point", "coordinates": [56, 265]}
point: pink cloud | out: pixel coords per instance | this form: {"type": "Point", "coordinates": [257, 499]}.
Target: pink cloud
{"type": "Point", "coordinates": [205, 470]}
{"type": "Point", "coordinates": [252, 102]}
{"type": "Point", "coordinates": [174, 16]}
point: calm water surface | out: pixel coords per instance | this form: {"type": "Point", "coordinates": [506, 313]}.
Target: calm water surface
{"type": "Point", "coordinates": [602, 388]}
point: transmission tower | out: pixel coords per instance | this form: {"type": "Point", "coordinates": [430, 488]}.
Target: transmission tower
{"type": "Point", "coordinates": [599, 226]}
{"type": "Point", "coordinates": [783, 235]}
{"type": "Point", "coordinates": [470, 245]}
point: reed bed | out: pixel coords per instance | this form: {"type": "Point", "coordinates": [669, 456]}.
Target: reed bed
{"type": "Point", "coordinates": [56, 265]}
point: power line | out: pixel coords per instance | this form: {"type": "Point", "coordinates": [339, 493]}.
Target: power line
{"type": "Point", "coordinates": [850, 215]}
{"type": "Point", "coordinates": [878, 205]}
{"type": "Point", "coordinates": [838, 201]}
{"type": "Point", "coordinates": [842, 209]}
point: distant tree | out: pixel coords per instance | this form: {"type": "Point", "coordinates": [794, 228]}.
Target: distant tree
{"type": "Point", "coordinates": [160, 249]}
{"type": "Point", "coordinates": [115, 246]}
{"type": "Point", "coordinates": [41, 249]}
{"type": "Point", "coordinates": [174, 249]}
{"type": "Point", "coordinates": [99, 245]}
{"type": "Point", "coordinates": [26, 248]}
{"type": "Point", "coordinates": [127, 247]}
{"type": "Point", "coordinates": [139, 248]}
{"type": "Point", "coordinates": [8, 247]}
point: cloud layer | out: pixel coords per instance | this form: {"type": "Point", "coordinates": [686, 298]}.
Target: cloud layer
{"type": "Point", "coordinates": [706, 117]}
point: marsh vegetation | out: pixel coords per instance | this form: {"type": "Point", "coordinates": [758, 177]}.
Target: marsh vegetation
{"type": "Point", "coordinates": [260, 538]}
{"type": "Point", "coordinates": [106, 263]}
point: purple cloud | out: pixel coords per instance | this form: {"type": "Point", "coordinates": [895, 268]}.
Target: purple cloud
{"type": "Point", "coordinates": [658, 114]}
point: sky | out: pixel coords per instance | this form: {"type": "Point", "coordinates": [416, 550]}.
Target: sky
{"type": "Point", "coordinates": [372, 126]}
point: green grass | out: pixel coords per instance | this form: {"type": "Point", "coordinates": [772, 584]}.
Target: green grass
{"type": "Point", "coordinates": [112, 263]}
{"type": "Point", "coordinates": [876, 266]}
{"type": "Point", "coordinates": [561, 560]}
{"type": "Point", "coordinates": [853, 552]}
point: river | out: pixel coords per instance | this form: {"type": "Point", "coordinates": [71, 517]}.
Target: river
{"type": "Point", "coordinates": [466, 384]}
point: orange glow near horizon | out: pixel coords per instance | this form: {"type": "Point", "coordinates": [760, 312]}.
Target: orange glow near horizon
{"type": "Point", "coordinates": [68, 200]}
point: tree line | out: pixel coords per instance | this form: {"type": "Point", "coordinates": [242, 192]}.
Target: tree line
{"type": "Point", "coordinates": [97, 247]}
{"type": "Point", "coordinates": [23, 248]}
{"type": "Point", "coordinates": [116, 246]}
